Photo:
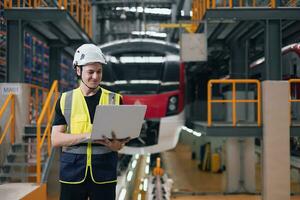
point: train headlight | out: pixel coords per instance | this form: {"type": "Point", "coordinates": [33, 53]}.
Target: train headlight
{"type": "Point", "coordinates": [172, 105]}
{"type": "Point", "coordinates": [173, 100]}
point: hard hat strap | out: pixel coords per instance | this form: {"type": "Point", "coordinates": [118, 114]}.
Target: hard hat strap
{"type": "Point", "coordinates": [80, 67]}
{"type": "Point", "coordinates": [88, 86]}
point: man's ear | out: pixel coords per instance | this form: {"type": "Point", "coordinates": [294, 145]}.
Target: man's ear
{"type": "Point", "coordinates": [78, 70]}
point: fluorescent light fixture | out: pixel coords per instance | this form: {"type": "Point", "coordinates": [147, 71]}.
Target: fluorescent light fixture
{"type": "Point", "coordinates": [159, 11]}
{"type": "Point", "coordinates": [172, 58]}
{"type": "Point", "coordinates": [156, 11]}
{"type": "Point", "coordinates": [149, 33]}
{"type": "Point", "coordinates": [137, 156]}
{"type": "Point", "coordinates": [144, 82]}
{"type": "Point", "coordinates": [182, 12]}
{"type": "Point", "coordinates": [195, 133]}
{"type": "Point", "coordinates": [112, 59]}
{"type": "Point", "coordinates": [145, 185]}
{"type": "Point", "coordinates": [191, 13]}
{"type": "Point", "coordinates": [122, 194]}
{"type": "Point", "coordinates": [124, 82]}
{"type": "Point", "coordinates": [147, 169]}
{"type": "Point", "coordinates": [107, 83]}
{"type": "Point", "coordinates": [133, 164]}
{"type": "Point", "coordinates": [257, 62]}
{"type": "Point", "coordinates": [170, 83]}
{"type": "Point", "coordinates": [148, 159]}
{"type": "Point", "coordinates": [121, 82]}
{"type": "Point", "coordinates": [129, 176]}
{"type": "Point", "coordinates": [142, 59]}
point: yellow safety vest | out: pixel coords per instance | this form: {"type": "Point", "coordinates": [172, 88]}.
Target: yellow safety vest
{"type": "Point", "coordinates": [75, 160]}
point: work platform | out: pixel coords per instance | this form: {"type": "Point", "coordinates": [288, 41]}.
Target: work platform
{"type": "Point", "coordinates": [59, 29]}
{"type": "Point", "coordinates": [245, 34]}
{"type": "Point", "coordinates": [223, 129]}
{"type": "Point", "coordinates": [55, 25]}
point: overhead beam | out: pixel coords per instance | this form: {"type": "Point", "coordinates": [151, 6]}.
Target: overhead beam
{"type": "Point", "coordinates": [180, 4]}
{"type": "Point", "coordinates": [41, 14]}
{"type": "Point", "coordinates": [252, 30]}
{"type": "Point", "coordinates": [133, 2]}
{"type": "Point", "coordinates": [216, 32]}
{"type": "Point", "coordinates": [237, 32]}
{"type": "Point", "coordinates": [221, 14]}
{"type": "Point", "coordinates": [47, 15]}
{"type": "Point", "coordinates": [61, 35]}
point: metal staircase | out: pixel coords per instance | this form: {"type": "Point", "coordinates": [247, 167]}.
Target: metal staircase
{"type": "Point", "coordinates": [20, 162]}
{"type": "Point", "coordinates": [29, 159]}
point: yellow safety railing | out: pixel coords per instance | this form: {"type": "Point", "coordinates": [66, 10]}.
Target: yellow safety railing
{"type": "Point", "coordinates": [11, 119]}
{"type": "Point", "coordinates": [80, 10]}
{"type": "Point", "coordinates": [199, 7]}
{"type": "Point", "coordinates": [36, 100]}
{"type": "Point", "coordinates": [48, 109]}
{"type": "Point", "coordinates": [234, 100]}
{"type": "Point", "coordinates": [291, 100]}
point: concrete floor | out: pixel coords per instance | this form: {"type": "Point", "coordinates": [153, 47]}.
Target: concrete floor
{"type": "Point", "coordinates": [12, 191]}
{"type": "Point", "coordinates": [189, 179]}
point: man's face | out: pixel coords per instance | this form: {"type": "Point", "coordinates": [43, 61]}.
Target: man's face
{"type": "Point", "coordinates": [91, 74]}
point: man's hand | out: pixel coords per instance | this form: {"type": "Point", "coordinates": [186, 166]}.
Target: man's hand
{"type": "Point", "coordinates": [113, 144]}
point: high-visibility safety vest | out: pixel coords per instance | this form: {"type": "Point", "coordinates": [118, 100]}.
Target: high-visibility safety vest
{"type": "Point", "coordinates": [76, 160]}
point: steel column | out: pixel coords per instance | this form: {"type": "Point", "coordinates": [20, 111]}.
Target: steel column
{"type": "Point", "coordinates": [54, 63]}
{"type": "Point", "coordinates": [15, 46]}
{"type": "Point", "coordinates": [238, 60]}
{"type": "Point", "coordinates": [273, 44]}
{"type": "Point", "coordinates": [276, 141]}
{"type": "Point", "coordinates": [95, 25]}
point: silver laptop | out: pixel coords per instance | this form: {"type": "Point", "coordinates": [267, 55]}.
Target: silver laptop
{"type": "Point", "coordinates": [124, 120]}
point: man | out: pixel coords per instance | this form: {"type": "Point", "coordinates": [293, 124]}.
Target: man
{"type": "Point", "coordinates": [87, 170]}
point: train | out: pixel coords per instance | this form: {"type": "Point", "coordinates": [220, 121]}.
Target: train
{"type": "Point", "coordinates": [290, 63]}
{"type": "Point", "coordinates": [290, 70]}
{"type": "Point", "coordinates": [148, 72]}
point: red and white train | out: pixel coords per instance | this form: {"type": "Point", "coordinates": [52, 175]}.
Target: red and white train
{"type": "Point", "coordinates": [148, 72]}
{"type": "Point", "coordinates": [290, 70]}
{"type": "Point", "coordinates": [290, 63]}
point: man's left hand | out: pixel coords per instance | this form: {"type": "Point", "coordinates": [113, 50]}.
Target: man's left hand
{"type": "Point", "coordinates": [113, 144]}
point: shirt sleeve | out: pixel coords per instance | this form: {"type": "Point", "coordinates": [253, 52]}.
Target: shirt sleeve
{"type": "Point", "coordinates": [121, 100]}
{"type": "Point", "coordinates": [59, 119]}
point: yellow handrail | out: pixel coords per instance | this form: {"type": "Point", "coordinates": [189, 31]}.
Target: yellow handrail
{"type": "Point", "coordinates": [233, 100]}
{"type": "Point", "coordinates": [11, 119]}
{"type": "Point", "coordinates": [47, 109]}
{"type": "Point", "coordinates": [292, 81]}
{"type": "Point", "coordinates": [199, 7]}
{"type": "Point", "coordinates": [35, 101]}
{"type": "Point", "coordinates": [82, 13]}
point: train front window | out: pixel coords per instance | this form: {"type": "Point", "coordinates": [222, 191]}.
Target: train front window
{"type": "Point", "coordinates": [144, 78]}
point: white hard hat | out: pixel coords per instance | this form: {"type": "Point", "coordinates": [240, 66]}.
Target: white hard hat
{"type": "Point", "coordinates": [88, 53]}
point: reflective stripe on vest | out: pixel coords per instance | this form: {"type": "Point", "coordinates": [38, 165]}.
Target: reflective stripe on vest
{"type": "Point", "coordinates": [68, 107]}
{"type": "Point", "coordinates": [67, 114]}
